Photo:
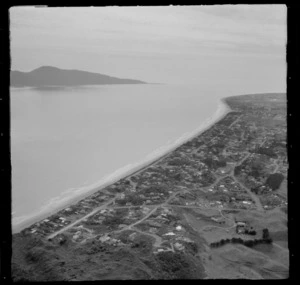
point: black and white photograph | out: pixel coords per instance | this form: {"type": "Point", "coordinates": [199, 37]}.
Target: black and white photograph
{"type": "Point", "coordinates": [148, 142]}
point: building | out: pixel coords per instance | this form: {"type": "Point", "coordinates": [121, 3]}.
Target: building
{"type": "Point", "coordinates": [104, 238]}
{"type": "Point", "coordinates": [169, 234]}
{"type": "Point", "coordinates": [179, 246]}
{"type": "Point", "coordinates": [240, 227]}
{"type": "Point", "coordinates": [179, 228]}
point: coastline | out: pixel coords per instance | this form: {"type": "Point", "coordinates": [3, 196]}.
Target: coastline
{"type": "Point", "coordinates": [151, 159]}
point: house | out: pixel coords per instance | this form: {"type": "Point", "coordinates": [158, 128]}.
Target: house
{"type": "Point", "coordinates": [160, 250]}
{"type": "Point", "coordinates": [240, 230]}
{"type": "Point", "coordinates": [121, 195]}
{"type": "Point", "coordinates": [76, 236]}
{"type": "Point", "coordinates": [132, 236]}
{"type": "Point", "coordinates": [215, 219]}
{"type": "Point", "coordinates": [122, 226]}
{"type": "Point", "coordinates": [169, 234]}
{"type": "Point", "coordinates": [179, 246]}
{"type": "Point", "coordinates": [179, 228]}
{"type": "Point", "coordinates": [104, 238]}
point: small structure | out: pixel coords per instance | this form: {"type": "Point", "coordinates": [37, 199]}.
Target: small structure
{"type": "Point", "coordinates": [169, 234]}
{"type": "Point", "coordinates": [179, 228]}
{"type": "Point", "coordinates": [121, 195]}
{"type": "Point", "coordinates": [240, 227]}
{"type": "Point", "coordinates": [160, 250]}
{"type": "Point", "coordinates": [179, 246]}
{"type": "Point", "coordinates": [104, 238]}
{"type": "Point", "coordinates": [216, 219]}
{"type": "Point", "coordinates": [132, 236]}
{"type": "Point", "coordinates": [122, 226]}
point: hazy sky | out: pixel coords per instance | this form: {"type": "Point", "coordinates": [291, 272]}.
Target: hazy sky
{"type": "Point", "coordinates": [226, 45]}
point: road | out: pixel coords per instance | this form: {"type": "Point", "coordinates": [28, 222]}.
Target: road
{"type": "Point", "coordinates": [155, 207]}
{"type": "Point", "coordinates": [81, 219]}
{"type": "Point", "coordinates": [151, 212]}
{"type": "Point", "coordinates": [254, 197]}
{"type": "Point", "coordinates": [158, 239]}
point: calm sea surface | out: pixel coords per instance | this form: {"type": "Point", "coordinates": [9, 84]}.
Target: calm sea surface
{"type": "Point", "coordinates": [64, 142]}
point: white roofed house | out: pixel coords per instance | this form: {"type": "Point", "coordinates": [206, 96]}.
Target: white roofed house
{"type": "Point", "coordinates": [240, 227]}
{"type": "Point", "coordinates": [169, 234]}
{"type": "Point", "coordinates": [179, 228]}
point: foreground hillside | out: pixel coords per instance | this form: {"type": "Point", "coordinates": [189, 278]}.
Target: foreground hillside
{"type": "Point", "coordinates": [216, 207]}
{"type": "Point", "coordinates": [47, 76]}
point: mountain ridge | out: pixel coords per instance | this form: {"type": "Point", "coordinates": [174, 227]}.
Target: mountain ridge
{"type": "Point", "coordinates": [46, 76]}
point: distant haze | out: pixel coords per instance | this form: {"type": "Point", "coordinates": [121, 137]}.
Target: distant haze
{"type": "Point", "coordinates": [237, 48]}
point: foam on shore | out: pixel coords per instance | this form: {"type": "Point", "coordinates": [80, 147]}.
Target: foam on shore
{"type": "Point", "coordinates": [73, 195]}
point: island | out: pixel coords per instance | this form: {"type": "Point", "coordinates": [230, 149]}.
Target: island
{"type": "Point", "coordinates": [49, 76]}
{"type": "Point", "coordinates": [215, 207]}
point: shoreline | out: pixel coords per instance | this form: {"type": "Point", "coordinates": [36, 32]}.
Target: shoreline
{"type": "Point", "coordinates": [152, 158]}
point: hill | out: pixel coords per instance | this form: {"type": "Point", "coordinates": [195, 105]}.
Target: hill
{"type": "Point", "coordinates": [52, 76]}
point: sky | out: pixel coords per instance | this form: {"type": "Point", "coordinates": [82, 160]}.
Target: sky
{"type": "Point", "coordinates": [228, 45]}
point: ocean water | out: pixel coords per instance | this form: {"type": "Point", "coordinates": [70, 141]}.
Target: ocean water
{"type": "Point", "coordinates": [66, 142]}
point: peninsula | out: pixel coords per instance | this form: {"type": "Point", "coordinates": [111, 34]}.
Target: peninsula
{"type": "Point", "coordinates": [215, 207]}
{"type": "Point", "coordinates": [47, 76]}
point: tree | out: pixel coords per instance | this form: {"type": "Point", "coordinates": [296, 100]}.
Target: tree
{"type": "Point", "coordinates": [237, 170]}
{"type": "Point", "coordinates": [274, 181]}
{"type": "Point", "coordinates": [266, 234]}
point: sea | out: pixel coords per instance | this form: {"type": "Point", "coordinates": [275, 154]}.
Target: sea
{"type": "Point", "coordinates": [68, 142]}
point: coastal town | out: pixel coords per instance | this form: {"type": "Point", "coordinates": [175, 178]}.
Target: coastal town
{"type": "Point", "coordinates": [218, 200]}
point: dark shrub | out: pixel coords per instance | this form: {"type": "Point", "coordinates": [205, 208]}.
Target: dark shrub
{"type": "Point", "coordinates": [274, 181]}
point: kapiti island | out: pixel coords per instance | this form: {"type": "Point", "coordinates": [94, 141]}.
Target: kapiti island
{"type": "Point", "coordinates": [49, 76]}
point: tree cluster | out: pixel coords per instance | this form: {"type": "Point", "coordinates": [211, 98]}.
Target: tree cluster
{"type": "Point", "coordinates": [266, 239]}
{"type": "Point", "coordinates": [266, 151]}
{"type": "Point", "coordinates": [214, 164]}
{"type": "Point", "coordinates": [174, 265]}
{"type": "Point", "coordinates": [250, 232]}
{"type": "Point", "coordinates": [256, 170]}
{"type": "Point", "coordinates": [248, 243]}
{"type": "Point", "coordinates": [237, 170]}
{"type": "Point", "coordinates": [274, 181]}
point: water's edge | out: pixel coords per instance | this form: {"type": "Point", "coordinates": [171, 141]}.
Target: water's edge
{"type": "Point", "coordinates": [222, 110]}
